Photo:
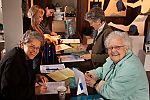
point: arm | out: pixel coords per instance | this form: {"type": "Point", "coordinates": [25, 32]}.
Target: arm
{"type": "Point", "coordinates": [11, 86]}
{"type": "Point", "coordinates": [92, 77]}
{"type": "Point", "coordinates": [121, 83]}
{"type": "Point", "coordinates": [89, 47]}
{"type": "Point", "coordinates": [99, 53]}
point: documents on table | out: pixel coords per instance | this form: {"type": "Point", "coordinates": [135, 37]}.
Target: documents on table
{"type": "Point", "coordinates": [80, 53]}
{"type": "Point", "coordinates": [62, 47]}
{"type": "Point", "coordinates": [61, 74]}
{"type": "Point", "coordinates": [52, 87]}
{"type": "Point", "coordinates": [51, 68]}
{"type": "Point", "coordinates": [70, 40]}
{"type": "Point", "coordinates": [70, 58]}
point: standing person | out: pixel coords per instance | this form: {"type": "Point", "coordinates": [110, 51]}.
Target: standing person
{"type": "Point", "coordinates": [48, 18]}
{"type": "Point", "coordinates": [96, 18]}
{"type": "Point", "coordinates": [17, 78]}
{"type": "Point", "coordinates": [36, 14]}
{"type": "Point", "coordinates": [122, 77]}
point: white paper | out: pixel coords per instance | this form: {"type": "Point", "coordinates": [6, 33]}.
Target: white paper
{"type": "Point", "coordinates": [62, 47]}
{"type": "Point", "coordinates": [80, 80]}
{"type": "Point", "coordinates": [52, 87]}
{"type": "Point", "coordinates": [70, 40]}
{"type": "Point", "coordinates": [70, 58]}
{"type": "Point", "coordinates": [51, 68]}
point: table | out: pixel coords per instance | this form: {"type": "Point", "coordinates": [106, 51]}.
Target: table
{"type": "Point", "coordinates": [72, 96]}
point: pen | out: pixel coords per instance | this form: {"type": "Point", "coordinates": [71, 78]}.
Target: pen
{"type": "Point", "coordinates": [39, 83]}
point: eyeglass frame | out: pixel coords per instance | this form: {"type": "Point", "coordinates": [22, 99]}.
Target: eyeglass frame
{"type": "Point", "coordinates": [31, 46]}
{"type": "Point", "coordinates": [115, 47]}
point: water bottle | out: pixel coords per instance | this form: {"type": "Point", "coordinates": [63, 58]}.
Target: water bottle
{"type": "Point", "coordinates": [45, 56]}
{"type": "Point", "coordinates": [69, 28]}
{"type": "Point", "coordinates": [52, 54]}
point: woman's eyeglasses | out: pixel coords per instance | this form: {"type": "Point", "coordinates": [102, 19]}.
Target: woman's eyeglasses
{"type": "Point", "coordinates": [115, 47]}
{"type": "Point", "coordinates": [33, 47]}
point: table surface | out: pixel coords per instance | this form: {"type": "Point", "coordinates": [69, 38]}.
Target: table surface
{"type": "Point", "coordinates": [72, 95]}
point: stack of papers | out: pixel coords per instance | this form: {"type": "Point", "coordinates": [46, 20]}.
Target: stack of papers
{"type": "Point", "coordinates": [51, 68]}
{"type": "Point", "coordinates": [80, 53]}
{"type": "Point", "coordinates": [62, 47]}
{"type": "Point", "coordinates": [70, 58]}
{"type": "Point", "coordinates": [62, 74]}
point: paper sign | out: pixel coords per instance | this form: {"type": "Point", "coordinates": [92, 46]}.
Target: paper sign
{"type": "Point", "coordinates": [51, 68]}
{"type": "Point", "coordinates": [80, 80]}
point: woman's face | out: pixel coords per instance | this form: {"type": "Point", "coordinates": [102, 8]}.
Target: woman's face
{"type": "Point", "coordinates": [49, 12]}
{"type": "Point", "coordinates": [116, 50]}
{"type": "Point", "coordinates": [95, 24]}
{"type": "Point", "coordinates": [38, 18]}
{"type": "Point", "coordinates": [32, 49]}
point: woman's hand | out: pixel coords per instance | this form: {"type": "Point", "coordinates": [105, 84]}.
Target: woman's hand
{"type": "Point", "coordinates": [89, 79]}
{"type": "Point", "coordinates": [86, 56]}
{"type": "Point", "coordinates": [50, 39]}
{"type": "Point", "coordinates": [41, 78]}
{"type": "Point", "coordinates": [53, 33]}
{"type": "Point", "coordinates": [82, 47]}
{"type": "Point", "coordinates": [40, 89]}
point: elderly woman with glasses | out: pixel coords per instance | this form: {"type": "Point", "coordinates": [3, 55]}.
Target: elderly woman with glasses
{"type": "Point", "coordinates": [17, 77]}
{"type": "Point", "coordinates": [122, 77]}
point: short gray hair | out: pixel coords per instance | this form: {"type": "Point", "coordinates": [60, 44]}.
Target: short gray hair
{"type": "Point", "coordinates": [96, 13]}
{"type": "Point", "coordinates": [30, 35]}
{"type": "Point", "coordinates": [123, 35]}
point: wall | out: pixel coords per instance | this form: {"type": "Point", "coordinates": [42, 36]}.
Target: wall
{"type": "Point", "coordinates": [111, 9]}
{"type": "Point", "coordinates": [1, 15]}
{"type": "Point", "coordinates": [63, 3]}
{"type": "Point", "coordinates": [13, 24]}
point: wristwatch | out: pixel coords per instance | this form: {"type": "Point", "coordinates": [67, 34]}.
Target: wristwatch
{"type": "Point", "coordinates": [96, 83]}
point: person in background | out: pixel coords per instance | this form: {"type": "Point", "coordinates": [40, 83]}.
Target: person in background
{"type": "Point", "coordinates": [36, 14]}
{"type": "Point", "coordinates": [122, 77]}
{"type": "Point", "coordinates": [48, 18]}
{"type": "Point", "coordinates": [96, 18]}
{"type": "Point", "coordinates": [17, 77]}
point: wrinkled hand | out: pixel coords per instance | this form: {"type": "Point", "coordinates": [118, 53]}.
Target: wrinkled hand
{"type": "Point", "coordinates": [40, 89]}
{"type": "Point", "coordinates": [42, 78]}
{"type": "Point", "coordinates": [89, 80]}
{"type": "Point", "coordinates": [53, 33]}
{"type": "Point", "coordinates": [50, 39]}
{"type": "Point", "coordinates": [82, 47]}
{"type": "Point", "coordinates": [86, 56]}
